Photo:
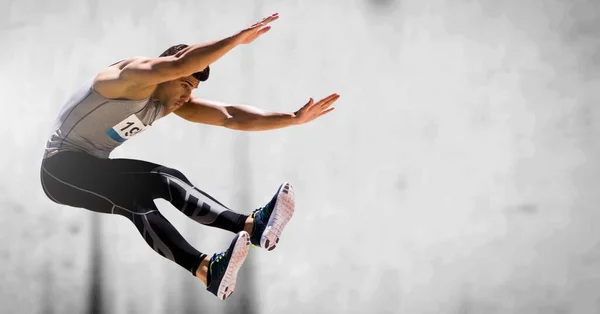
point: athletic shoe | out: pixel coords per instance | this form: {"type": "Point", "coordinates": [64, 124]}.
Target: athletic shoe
{"type": "Point", "coordinates": [223, 267]}
{"type": "Point", "coordinates": [270, 220]}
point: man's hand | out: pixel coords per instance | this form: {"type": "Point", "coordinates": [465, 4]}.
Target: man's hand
{"type": "Point", "coordinates": [313, 110]}
{"type": "Point", "coordinates": [249, 34]}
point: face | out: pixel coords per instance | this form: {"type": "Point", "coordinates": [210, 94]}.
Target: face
{"type": "Point", "coordinates": [174, 94]}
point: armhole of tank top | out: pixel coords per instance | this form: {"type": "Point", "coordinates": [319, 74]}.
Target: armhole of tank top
{"type": "Point", "coordinates": [93, 90]}
{"type": "Point", "coordinates": [93, 79]}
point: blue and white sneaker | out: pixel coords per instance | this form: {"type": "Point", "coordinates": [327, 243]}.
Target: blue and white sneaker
{"type": "Point", "coordinates": [223, 267]}
{"type": "Point", "coordinates": [270, 220]}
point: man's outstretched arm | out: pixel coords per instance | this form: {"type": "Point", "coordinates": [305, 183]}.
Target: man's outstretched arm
{"type": "Point", "coordinates": [248, 118]}
{"type": "Point", "coordinates": [145, 73]}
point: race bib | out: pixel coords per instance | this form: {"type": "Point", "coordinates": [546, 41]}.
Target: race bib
{"type": "Point", "coordinates": [126, 129]}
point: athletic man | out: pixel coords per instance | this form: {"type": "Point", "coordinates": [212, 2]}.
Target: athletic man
{"type": "Point", "coordinates": [128, 97]}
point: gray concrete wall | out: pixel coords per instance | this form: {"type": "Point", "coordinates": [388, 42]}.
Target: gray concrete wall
{"type": "Point", "coordinates": [458, 174]}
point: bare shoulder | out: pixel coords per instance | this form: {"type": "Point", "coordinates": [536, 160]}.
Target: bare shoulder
{"type": "Point", "coordinates": [110, 84]}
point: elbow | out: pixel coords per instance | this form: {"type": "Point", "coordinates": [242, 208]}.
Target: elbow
{"type": "Point", "coordinates": [233, 124]}
{"type": "Point", "coordinates": [178, 67]}
{"type": "Point", "coordinates": [239, 124]}
{"type": "Point", "coordinates": [188, 64]}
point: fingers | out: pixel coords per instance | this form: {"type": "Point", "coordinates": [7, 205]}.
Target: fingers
{"type": "Point", "coordinates": [312, 110]}
{"type": "Point", "coordinates": [325, 104]}
{"type": "Point", "coordinates": [330, 100]}
{"type": "Point", "coordinates": [326, 111]}
{"type": "Point", "coordinates": [309, 103]}
{"type": "Point", "coordinates": [263, 30]}
{"type": "Point", "coordinates": [271, 18]}
{"type": "Point", "coordinates": [327, 101]}
{"type": "Point", "coordinates": [266, 20]}
{"type": "Point", "coordinates": [251, 33]}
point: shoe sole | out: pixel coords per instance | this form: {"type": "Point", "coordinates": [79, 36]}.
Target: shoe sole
{"type": "Point", "coordinates": [240, 251]}
{"type": "Point", "coordinates": [281, 215]}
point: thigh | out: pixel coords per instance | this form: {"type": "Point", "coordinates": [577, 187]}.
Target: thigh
{"type": "Point", "coordinates": [82, 180]}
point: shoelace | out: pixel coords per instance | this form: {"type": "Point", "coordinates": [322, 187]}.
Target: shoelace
{"type": "Point", "coordinates": [256, 212]}
{"type": "Point", "coordinates": [217, 258]}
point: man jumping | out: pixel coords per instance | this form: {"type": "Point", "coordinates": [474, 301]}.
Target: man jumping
{"type": "Point", "coordinates": [129, 96]}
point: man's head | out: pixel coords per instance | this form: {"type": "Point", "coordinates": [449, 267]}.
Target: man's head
{"type": "Point", "coordinates": [175, 93]}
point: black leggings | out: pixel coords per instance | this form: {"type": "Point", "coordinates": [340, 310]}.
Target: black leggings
{"type": "Point", "coordinates": [128, 187]}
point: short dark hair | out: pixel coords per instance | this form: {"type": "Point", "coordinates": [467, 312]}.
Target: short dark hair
{"type": "Point", "coordinates": [201, 76]}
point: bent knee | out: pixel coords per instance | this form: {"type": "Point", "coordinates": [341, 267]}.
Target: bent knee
{"type": "Point", "coordinates": [173, 172]}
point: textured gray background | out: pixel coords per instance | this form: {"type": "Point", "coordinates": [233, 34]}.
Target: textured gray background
{"type": "Point", "coordinates": [459, 173]}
